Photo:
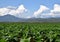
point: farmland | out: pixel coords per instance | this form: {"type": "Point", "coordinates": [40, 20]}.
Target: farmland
{"type": "Point", "coordinates": [29, 32]}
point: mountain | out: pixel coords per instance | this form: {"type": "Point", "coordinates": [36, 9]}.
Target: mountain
{"type": "Point", "coordinates": [44, 20]}
{"type": "Point", "coordinates": [10, 18]}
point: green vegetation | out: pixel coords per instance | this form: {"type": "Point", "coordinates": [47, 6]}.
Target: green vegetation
{"type": "Point", "coordinates": [29, 32]}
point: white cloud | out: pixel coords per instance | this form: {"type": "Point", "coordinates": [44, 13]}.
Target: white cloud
{"type": "Point", "coordinates": [56, 11]}
{"type": "Point", "coordinates": [12, 10]}
{"type": "Point", "coordinates": [4, 11]}
{"type": "Point", "coordinates": [56, 8]}
{"type": "Point", "coordinates": [19, 10]}
{"type": "Point", "coordinates": [11, 7]}
{"type": "Point", "coordinates": [40, 10]}
{"type": "Point", "coordinates": [45, 12]}
{"type": "Point", "coordinates": [29, 17]}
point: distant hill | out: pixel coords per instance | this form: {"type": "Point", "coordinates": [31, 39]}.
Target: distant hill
{"type": "Point", "coordinates": [10, 18]}
{"type": "Point", "coordinates": [44, 20]}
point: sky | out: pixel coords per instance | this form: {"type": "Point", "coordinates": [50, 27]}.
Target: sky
{"type": "Point", "coordinates": [30, 8]}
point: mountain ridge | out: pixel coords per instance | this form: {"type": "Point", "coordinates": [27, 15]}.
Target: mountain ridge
{"type": "Point", "coordinates": [11, 18]}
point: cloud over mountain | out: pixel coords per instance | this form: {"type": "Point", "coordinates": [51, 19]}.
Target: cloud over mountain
{"type": "Point", "coordinates": [56, 11]}
{"type": "Point", "coordinates": [12, 10]}
{"type": "Point", "coordinates": [56, 8]}
{"type": "Point", "coordinates": [42, 12]}
{"type": "Point", "coordinates": [45, 12]}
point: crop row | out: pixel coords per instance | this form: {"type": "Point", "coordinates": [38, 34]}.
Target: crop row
{"type": "Point", "coordinates": [29, 32]}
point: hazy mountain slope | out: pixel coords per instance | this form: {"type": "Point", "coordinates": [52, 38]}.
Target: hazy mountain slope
{"type": "Point", "coordinates": [10, 18]}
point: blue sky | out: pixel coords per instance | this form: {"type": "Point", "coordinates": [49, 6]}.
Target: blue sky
{"type": "Point", "coordinates": [31, 5]}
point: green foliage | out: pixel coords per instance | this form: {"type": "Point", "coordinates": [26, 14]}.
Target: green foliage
{"type": "Point", "coordinates": [29, 32]}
